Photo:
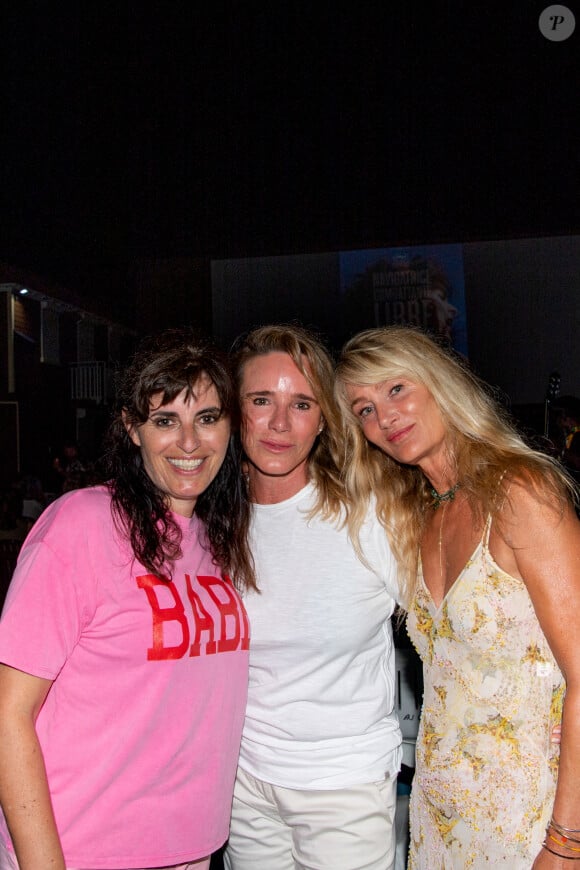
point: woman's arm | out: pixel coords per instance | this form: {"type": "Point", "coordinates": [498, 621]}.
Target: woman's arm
{"type": "Point", "coordinates": [24, 793]}
{"type": "Point", "coordinates": [545, 543]}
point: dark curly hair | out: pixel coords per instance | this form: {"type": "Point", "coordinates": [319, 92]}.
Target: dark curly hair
{"type": "Point", "coordinates": [168, 363]}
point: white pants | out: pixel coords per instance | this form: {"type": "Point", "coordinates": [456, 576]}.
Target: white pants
{"type": "Point", "coordinates": [9, 862]}
{"type": "Point", "coordinates": [276, 828]}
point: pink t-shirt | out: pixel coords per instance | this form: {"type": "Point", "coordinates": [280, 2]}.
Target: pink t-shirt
{"type": "Point", "coordinates": [141, 728]}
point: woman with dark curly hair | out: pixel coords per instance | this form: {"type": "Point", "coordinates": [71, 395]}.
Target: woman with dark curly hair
{"type": "Point", "coordinates": [123, 642]}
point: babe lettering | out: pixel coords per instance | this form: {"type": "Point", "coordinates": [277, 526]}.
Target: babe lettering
{"type": "Point", "coordinates": [213, 622]}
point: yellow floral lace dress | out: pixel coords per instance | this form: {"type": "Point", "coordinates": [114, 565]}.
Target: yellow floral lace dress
{"type": "Point", "coordinates": [486, 768]}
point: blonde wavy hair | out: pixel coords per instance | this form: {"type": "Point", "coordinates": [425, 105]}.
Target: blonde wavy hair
{"type": "Point", "coordinates": [483, 444]}
{"type": "Point", "coordinates": [315, 363]}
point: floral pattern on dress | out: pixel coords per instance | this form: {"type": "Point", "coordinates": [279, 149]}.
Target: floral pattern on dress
{"type": "Point", "coordinates": [486, 767]}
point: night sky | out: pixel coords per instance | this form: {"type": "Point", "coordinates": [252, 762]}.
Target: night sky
{"type": "Point", "coordinates": [244, 129]}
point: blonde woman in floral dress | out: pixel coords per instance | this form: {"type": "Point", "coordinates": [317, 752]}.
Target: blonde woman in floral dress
{"type": "Point", "coordinates": [489, 547]}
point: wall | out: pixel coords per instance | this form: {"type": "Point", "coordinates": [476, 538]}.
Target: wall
{"type": "Point", "coordinates": [523, 313]}
{"type": "Point", "coordinates": [522, 307]}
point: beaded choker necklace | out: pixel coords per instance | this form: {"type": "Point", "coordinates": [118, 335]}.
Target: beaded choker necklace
{"type": "Point", "coordinates": [440, 497]}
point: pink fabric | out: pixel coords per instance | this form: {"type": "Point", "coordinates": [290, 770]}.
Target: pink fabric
{"type": "Point", "coordinates": [9, 862]}
{"type": "Point", "coordinates": [141, 728]}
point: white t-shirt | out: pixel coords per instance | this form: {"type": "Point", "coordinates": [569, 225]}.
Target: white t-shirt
{"type": "Point", "coordinates": [321, 700]}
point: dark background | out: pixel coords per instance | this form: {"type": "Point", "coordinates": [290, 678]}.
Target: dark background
{"type": "Point", "coordinates": [166, 130]}
{"type": "Point", "coordinates": [231, 130]}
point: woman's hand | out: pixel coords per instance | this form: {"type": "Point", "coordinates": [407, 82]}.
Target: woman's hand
{"type": "Point", "coordinates": [546, 861]}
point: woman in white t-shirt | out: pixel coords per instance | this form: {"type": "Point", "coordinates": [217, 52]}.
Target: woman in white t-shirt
{"type": "Point", "coordinates": [321, 745]}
